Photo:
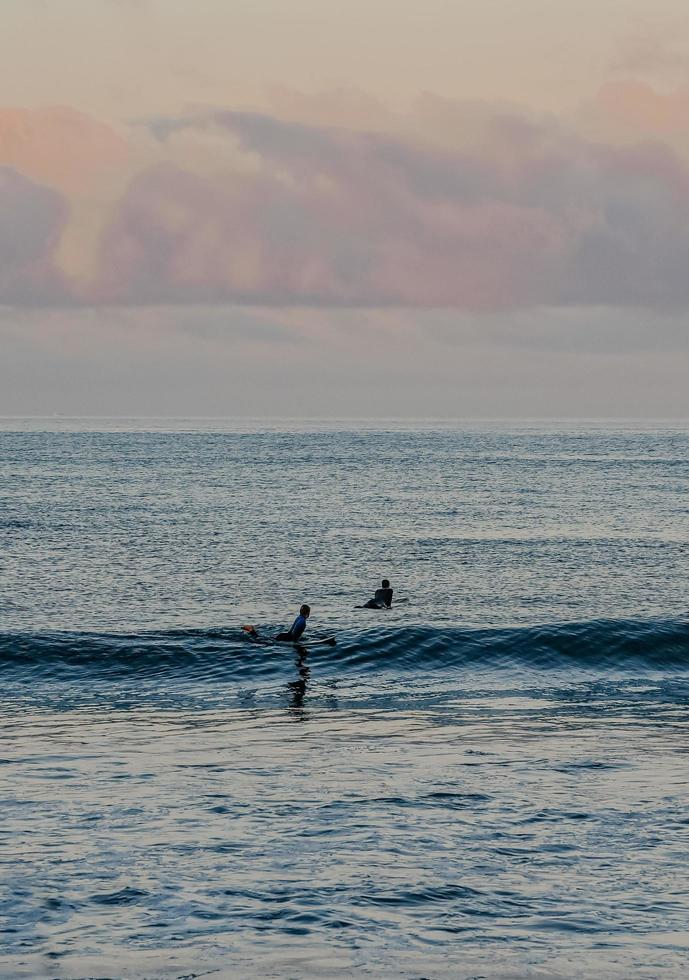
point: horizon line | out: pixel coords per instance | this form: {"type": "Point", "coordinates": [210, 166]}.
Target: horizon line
{"type": "Point", "coordinates": [354, 418]}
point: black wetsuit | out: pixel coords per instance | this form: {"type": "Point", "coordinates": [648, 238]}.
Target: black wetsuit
{"type": "Point", "coordinates": [382, 598]}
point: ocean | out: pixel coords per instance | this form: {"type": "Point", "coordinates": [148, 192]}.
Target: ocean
{"type": "Point", "coordinates": [490, 779]}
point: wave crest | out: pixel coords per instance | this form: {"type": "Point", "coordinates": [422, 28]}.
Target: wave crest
{"type": "Point", "coordinates": [599, 645]}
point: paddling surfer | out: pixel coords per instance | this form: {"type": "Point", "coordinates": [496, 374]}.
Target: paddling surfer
{"type": "Point", "coordinates": [382, 598]}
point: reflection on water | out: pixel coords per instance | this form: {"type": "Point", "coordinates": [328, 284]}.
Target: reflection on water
{"type": "Point", "coordinates": [297, 688]}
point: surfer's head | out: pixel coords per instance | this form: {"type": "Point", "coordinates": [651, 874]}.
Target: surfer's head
{"type": "Point", "coordinates": [305, 611]}
{"type": "Point", "coordinates": [386, 583]}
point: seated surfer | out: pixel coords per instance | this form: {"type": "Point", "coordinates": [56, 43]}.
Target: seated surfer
{"type": "Point", "coordinates": [382, 598]}
{"type": "Point", "coordinates": [293, 634]}
{"type": "Point", "coordinates": [297, 628]}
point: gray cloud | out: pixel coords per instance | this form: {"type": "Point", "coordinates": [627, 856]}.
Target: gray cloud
{"type": "Point", "coordinates": [532, 216]}
{"type": "Point", "coordinates": [32, 218]}
{"type": "Point", "coordinates": [525, 215]}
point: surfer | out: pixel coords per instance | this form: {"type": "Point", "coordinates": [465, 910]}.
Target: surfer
{"type": "Point", "coordinates": [294, 633]}
{"type": "Point", "coordinates": [382, 598]}
{"type": "Point", "coordinates": [297, 628]}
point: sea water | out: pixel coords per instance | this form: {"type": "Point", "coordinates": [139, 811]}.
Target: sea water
{"type": "Point", "coordinates": [490, 779]}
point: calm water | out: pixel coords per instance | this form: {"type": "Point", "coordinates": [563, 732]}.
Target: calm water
{"type": "Point", "coordinates": [491, 779]}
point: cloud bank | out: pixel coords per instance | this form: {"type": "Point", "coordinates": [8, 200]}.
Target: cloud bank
{"type": "Point", "coordinates": [461, 206]}
{"type": "Point", "coordinates": [32, 218]}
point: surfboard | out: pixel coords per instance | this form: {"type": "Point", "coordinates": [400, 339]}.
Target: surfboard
{"type": "Point", "coordinates": [315, 641]}
{"type": "Point", "coordinates": [395, 602]}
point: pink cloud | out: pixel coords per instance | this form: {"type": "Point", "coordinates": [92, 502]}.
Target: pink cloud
{"type": "Point", "coordinates": [59, 146]}
{"type": "Point", "coordinates": [517, 214]}
{"type": "Point", "coordinates": [333, 216]}
{"type": "Point", "coordinates": [640, 111]}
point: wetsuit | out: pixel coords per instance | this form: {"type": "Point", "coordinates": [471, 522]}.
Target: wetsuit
{"type": "Point", "coordinates": [295, 630]}
{"type": "Point", "coordinates": [382, 597]}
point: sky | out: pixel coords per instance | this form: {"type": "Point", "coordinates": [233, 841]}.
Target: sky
{"type": "Point", "coordinates": [386, 208]}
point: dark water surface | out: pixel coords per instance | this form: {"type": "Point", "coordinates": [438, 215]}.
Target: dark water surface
{"type": "Point", "coordinates": [491, 780]}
